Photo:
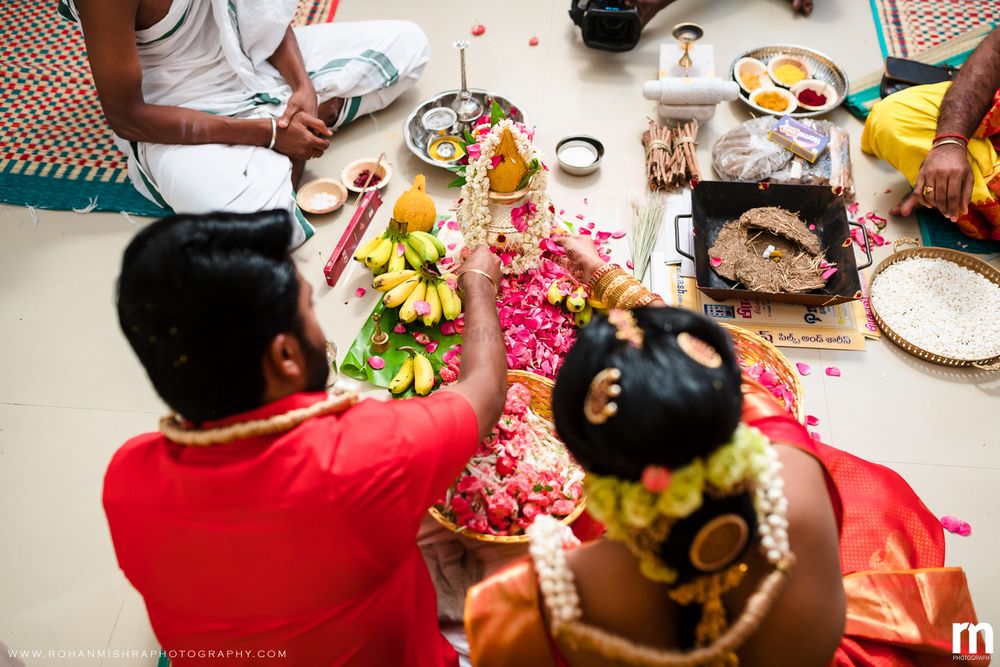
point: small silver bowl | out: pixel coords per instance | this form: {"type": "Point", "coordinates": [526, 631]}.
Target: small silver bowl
{"type": "Point", "coordinates": [579, 155]}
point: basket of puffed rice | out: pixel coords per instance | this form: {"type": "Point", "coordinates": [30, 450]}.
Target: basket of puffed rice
{"type": "Point", "coordinates": [940, 305]}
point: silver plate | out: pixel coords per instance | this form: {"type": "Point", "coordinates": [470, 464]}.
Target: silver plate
{"type": "Point", "coordinates": [822, 68]}
{"type": "Point", "coordinates": [417, 136]}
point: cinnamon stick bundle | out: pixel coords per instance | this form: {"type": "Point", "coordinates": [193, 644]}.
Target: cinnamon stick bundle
{"type": "Point", "coordinates": [671, 156]}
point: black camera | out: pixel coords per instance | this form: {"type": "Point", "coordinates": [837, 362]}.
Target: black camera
{"type": "Point", "coordinates": [608, 25]}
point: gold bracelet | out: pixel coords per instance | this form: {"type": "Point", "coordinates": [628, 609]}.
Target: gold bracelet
{"type": "Point", "coordinates": [614, 295]}
{"type": "Point", "coordinates": [599, 273]}
{"type": "Point", "coordinates": [496, 288]}
{"type": "Point", "coordinates": [617, 279]}
{"type": "Point", "coordinates": [601, 285]}
{"type": "Point", "coordinates": [648, 298]}
{"type": "Point", "coordinates": [625, 301]}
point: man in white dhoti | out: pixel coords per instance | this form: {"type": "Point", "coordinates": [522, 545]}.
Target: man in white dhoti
{"type": "Point", "coordinates": [219, 103]}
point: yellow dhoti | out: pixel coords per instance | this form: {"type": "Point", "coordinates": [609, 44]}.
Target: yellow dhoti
{"type": "Point", "coordinates": [900, 130]}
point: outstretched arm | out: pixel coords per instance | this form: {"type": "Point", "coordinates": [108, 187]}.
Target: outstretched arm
{"type": "Point", "coordinates": [945, 178]}
{"type": "Point", "coordinates": [109, 30]}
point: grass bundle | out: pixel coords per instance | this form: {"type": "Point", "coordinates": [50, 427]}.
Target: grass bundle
{"type": "Point", "coordinates": [647, 217]}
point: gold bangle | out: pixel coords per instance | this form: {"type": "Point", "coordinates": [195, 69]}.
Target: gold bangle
{"type": "Point", "coordinates": [616, 280]}
{"type": "Point", "coordinates": [599, 273]}
{"type": "Point", "coordinates": [625, 301]}
{"type": "Point", "coordinates": [615, 294]}
{"type": "Point", "coordinates": [648, 298]}
{"type": "Point", "coordinates": [496, 288]}
{"type": "Point", "coordinates": [601, 285]}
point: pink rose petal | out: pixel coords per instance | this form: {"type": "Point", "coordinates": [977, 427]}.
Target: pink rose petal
{"type": "Point", "coordinates": [828, 272]}
{"type": "Point", "coordinates": [378, 363]}
{"type": "Point", "coordinates": [887, 191]}
{"type": "Point", "coordinates": [586, 232]}
{"type": "Point", "coordinates": [533, 41]}
{"type": "Point", "coordinates": [431, 347]}
{"type": "Point", "coordinates": [447, 261]}
{"type": "Point", "coordinates": [399, 328]}
{"type": "Point", "coordinates": [804, 368]}
{"type": "Point", "coordinates": [591, 225]}
{"type": "Point", "coordinates": [716, 262]}
{"type": "Point", "coordinates": [853, 208]}
{"type": "Point", "coordinates": [955, 525]}
{"type": "Point", "coordinates": [422, 308]}
{"type": "Point", "coordinates": [453, 225]}
{"type": "Point", "coordinates": [448, 328]}
{"type": "Point", "coordinates": [579, 216]}
{"type": "Point", "coordinates": [495, 161]}
{"type": "Point", "coordinates": [812, 227]}
{"type": "Point", "coordinates": [619, 234]}
{"type": "Point", "coordinates": [441, 224]}
{"type": "Point", "coordinates": [833, 371]}
{"type": "Point", "coordinates": [630, 264]}
{"type": "Point", "coordinates": [811, 420]}
{"type": "Point", "coordinates": [361, 291]}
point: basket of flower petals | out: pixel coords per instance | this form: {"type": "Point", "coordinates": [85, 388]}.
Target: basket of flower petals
{"type": "Point", "coordinates": [519, 472]}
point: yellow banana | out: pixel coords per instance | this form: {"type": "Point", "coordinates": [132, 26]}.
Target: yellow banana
{"type": "Point", "coordinates": [403, 378]}
{"type": "Point", "coordinates": [408, 312]}
{"type": "Point", "coordinates": [398, 294]}
{"type": "Point", "coordinates": [434, 299]}
{"type": "Point", "coordinates": [583, 317]}
{"type": "Point", "coordinates": [387, 281]}
{"type": "Point", "coordinates": [380, 255]}
{"type": "Point", "coordinates": [423, 375]}
{"type": "Point", "coordinates": [576, 301]}
{"type": "Point", "coordinates": [451, 305]}
{"type": "Point", "coordinates": [594, 303]}
{"type": "Point", "coordinates": [397, 262]}
{"type": "Point", "coordinates": [362, 253]}
{"type": "Point", "coordinates": [555, 295]}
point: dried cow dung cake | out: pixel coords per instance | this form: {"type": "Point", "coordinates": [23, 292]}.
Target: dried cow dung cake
{"type": "Point", "coordinates": [769, 249]}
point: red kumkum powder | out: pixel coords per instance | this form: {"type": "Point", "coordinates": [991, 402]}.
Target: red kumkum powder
{"type": "Point", "coordinates": [812, 98]}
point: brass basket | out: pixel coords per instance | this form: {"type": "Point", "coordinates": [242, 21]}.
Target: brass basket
{"type": "Point", "coordinates": [541, 404]}
{"type": "Point", "coordinates": [962, 259]}
{"type": "Point", "coordinates": [751, 348]}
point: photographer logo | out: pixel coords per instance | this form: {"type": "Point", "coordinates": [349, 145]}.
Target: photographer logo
{"type": "Point", "coordinates": [967, 637]}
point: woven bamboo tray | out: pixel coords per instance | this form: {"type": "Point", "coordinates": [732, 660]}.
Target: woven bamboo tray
{"type": "Point", "coordinates": [751, 348]}
{"type": "Point", "coordinates": [960, 258]}
{"type": "Point", "coordinates": [541, 405]}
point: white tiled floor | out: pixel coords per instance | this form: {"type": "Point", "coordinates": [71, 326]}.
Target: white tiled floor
{"type": "Point", "coordinates": [71, 391]}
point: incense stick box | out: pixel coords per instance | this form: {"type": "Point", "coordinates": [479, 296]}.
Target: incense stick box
{"type": "Point", "coordinates": [799, 139]}
{"type": "Point", "coordinates": [351, 237]}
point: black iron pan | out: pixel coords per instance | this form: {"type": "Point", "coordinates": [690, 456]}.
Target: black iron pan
{"type": "Point", "coordinates": [715, 203]}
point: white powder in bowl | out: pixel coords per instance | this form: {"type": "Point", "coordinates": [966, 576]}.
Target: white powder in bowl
{"type": "Point", "coordinates": [322, 200]}
{"type": "Point", "coordinates": [940, 306]}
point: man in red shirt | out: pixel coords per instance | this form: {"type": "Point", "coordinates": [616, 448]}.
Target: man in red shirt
{"type": "Point", "coordinates": [272, 523]}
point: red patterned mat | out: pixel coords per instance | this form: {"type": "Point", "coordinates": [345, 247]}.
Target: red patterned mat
{"type": "Point", "coordinates": [908, 27]}
{"type": "Point", "coordinates": [56, 149]}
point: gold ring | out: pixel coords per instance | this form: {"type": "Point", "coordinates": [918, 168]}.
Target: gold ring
{"type": "Point", "coordinates": [927, 190]}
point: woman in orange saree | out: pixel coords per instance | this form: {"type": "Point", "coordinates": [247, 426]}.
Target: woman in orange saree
{"type": "Point", "coordinates": [888, 600]}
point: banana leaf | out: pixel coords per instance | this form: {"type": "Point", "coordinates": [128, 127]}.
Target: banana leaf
{"type": "Point", "coordinates": [356, 366]}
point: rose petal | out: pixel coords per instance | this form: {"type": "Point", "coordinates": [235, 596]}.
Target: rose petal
{"type": "Point", "coordinates": [451, 246]}
{"type": "Point", "coordinates": [955, 525]}
{"type": "Point", "coordinates": [619, 234]}
{"type": "Point", "coordinates": [887, 191]}
{"type": "Point", "coordinates": [361, 291]}
{"type": "Point", "coordinates": [453, 225]}
{"type": "Point", "coordinates": [811, 420]}
{"type": "Point", "coordinates": [630, 264]}
{"type": "Point", "coordinates": [495, 161]}
{"type": "Point", "coordinates": [579, 216]}
{"type": "Point", "coordinates": [804, 368]}
{"type": "Point", "coordinates": [853, 208]}
{"type": "Point", "coordinates": [399, 328]}
{"type": "Point", "coordinates": [812, 227]}
{"type": "Point", "coordinates": [715, 261]}
{"type": "Point", "coordinates": [533, 41]}
{"type": "Point", "coordinates": [378, 363]}
{"type": "Point", "coordinates": [478, 29]}
{"type": "Point", "coordinates": [828, 272]}
{"type": "Point", "coordinates": [448, 328]}
{"type": "Point", "coordinates": [422, 308]}
{"type": "Point", "coordinates": [833, 371]}
{"type": "Point", "coordinates": [431, 347]}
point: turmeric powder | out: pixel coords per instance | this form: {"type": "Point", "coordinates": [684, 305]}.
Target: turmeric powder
{"type": "Point", "coordinates": [505, 177]}
{"type": "Point", "coordinates": [789, 74]}
{"type": "Point", "coordinates": [773, 101]}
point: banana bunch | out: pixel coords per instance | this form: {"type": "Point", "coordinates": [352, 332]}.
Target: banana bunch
{"type": "Point", "coordinates": [404, 289]}
{"type": "Point", "coordinates": [394, 249]}
{"type": "Point", "coordinates": [575, 299]}
{"type": "Point", "coordinates": [416, 371]}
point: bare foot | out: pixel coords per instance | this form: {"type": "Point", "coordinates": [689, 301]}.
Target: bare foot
{"type": "Point", "coordinates": [329, 111]}
{"type": "Point", "coordinates": [804, 7]}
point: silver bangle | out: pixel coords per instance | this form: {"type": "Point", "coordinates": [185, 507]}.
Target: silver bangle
{"type": "Point", "coordinates": [942, 142]}
{"type": "Point", "coordinates": [274, 134]}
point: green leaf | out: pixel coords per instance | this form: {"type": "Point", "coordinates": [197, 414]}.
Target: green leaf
{"type": "Point", "coordinates": [469, 139]}
{"type": "Point", "coordinates": [496, 113]}
{"type": "Point", "coordinates": [457, 183]}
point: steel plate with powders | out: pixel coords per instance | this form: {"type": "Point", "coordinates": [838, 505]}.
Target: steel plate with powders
{"type": "Point", "coordinates": [821, 68]}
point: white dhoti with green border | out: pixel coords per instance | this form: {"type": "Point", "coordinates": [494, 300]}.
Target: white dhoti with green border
{"type": "Point", "coordinates": [211, 55]}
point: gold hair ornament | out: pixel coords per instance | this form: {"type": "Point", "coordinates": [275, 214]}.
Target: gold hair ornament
{"type": "Point", "coordinates": [599, 406]}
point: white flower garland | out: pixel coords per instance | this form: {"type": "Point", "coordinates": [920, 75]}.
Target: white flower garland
{"type": "Point", "coordinates": [474, 211]}
{"type": "Point", "coordinates": [555, 578]}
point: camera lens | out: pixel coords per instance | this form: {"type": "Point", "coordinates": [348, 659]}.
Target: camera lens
{"type": "Point", "coordinates": [613, 26]}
